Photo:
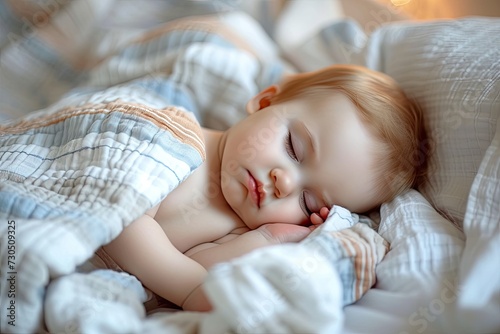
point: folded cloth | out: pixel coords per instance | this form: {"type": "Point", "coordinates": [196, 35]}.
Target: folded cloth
{"type": "Point", "coordinates": [353, 247]}
{"type": "Point", "coordinates": [273, 289]}
{"type": "Point", "coordinates": [289, 288]}
{"type": "Point", "coordinates": [72, 179]}
{"type": "Point", "coordinates": [108, 302]}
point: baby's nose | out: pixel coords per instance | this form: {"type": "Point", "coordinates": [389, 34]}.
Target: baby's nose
{"type": "Point", "coordinates": [283, 182]}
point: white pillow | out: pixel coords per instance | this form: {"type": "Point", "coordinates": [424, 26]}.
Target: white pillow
{"type": "Point", "coordinates": [419, 269]}
{"type": "Point", "coordinates": [452, 68]}
{"type": "Point", "coordinates": [478, 302]}
{"type": "Point", "coordinates": [424, 245]}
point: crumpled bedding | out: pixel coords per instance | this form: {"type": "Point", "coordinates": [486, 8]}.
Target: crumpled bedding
{"type": "Point", "coordinates": [436, 278]}
{"type": "Point", "coordinates": [291, 288]}
{"type": "Point", "coordinates": [73, 179]}
{"type": "Point", "coordinates": [75, 173]}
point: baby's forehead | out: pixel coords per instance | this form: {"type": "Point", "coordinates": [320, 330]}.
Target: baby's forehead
{"type": "Point", "coordinates": [326, 99]}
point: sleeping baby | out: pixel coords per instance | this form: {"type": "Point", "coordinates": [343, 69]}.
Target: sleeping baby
{"type": "Point", "coordinates": [343, 135]}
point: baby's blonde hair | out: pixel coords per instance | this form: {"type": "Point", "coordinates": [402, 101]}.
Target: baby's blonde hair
{"type": "Point", "coordinates": [391, 116]}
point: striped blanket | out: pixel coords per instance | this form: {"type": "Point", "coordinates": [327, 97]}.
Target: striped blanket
{"type": "Point", "coordinates": [70, 182]}
{"type": "Point", "coordinates": [74, 174]}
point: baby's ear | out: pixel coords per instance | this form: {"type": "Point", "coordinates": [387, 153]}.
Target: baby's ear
{"type": "Point", "coordinates": [262, 100]}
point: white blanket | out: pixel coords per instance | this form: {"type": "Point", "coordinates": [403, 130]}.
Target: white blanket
{"type": "Point", "coordinates": [293, 288]}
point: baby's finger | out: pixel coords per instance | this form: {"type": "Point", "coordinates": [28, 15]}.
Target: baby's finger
{"type": "Point", "coordinates": [323, 212]}
{"type": "Point", "coordinates": [316, 219]}
{"type": "Point", "coordinates": [312, 227]}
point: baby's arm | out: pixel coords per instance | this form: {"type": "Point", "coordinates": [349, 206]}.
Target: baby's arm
{"type": "Point", "coordinates": [235, 246]}
{"type": "Point", "coordinates": [144, 250]}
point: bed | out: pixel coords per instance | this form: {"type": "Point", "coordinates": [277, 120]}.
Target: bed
{"type": "Point", "coordinates": [441, 271]}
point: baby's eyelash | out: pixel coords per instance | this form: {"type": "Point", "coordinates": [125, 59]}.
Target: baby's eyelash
{"type": "Point", "coordinates": [289, 147]}
{"type": "Point", "coordinates": [293, 155]}
{"type": "Point", "coordinates": [303, 205]}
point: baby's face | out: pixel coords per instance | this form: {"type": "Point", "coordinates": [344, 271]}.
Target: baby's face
{"type": "Point", "coordinates": [287, 160]}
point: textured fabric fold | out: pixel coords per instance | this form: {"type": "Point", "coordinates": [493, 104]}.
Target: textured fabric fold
{"type": "Point", "coordinates": [71, 180]}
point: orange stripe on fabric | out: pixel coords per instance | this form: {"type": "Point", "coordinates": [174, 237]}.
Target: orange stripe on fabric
{"type": "Point", "coordinates": [178, 122]}
{"type": "Point", "coordinates": [362, 262]}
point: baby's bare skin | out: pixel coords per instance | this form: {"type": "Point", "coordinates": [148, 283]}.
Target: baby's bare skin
{"type": "Point", "coordinates": [177, 241]}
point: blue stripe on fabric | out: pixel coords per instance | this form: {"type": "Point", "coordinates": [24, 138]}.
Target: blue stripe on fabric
{"type": "Point", "coordinates": [80, 126]}
{"type": "Point", "coordinates": [173, 93]}
{"type": "Point", "coordinates": [20, 206]}
{"type": "Point", "coordinates": [272, 73]}
{"type": "Point", "coordinates": [337, 255]}
{"type": "Point", "coordinates": [172, 41]}
{"type": "Point", "coordinates": [57, 65]}
{"type": "Point", "coordinates": [10, 20]}
{"type": "Point", "coordinates": [93, 148]}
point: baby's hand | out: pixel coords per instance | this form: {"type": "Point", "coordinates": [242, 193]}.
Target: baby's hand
{"type": "Point", "coordinates": [319, 218]}
{"type": "Point", "coordinates": [278, 233]}
{"type": "Point", "coordinates": [282, 233]}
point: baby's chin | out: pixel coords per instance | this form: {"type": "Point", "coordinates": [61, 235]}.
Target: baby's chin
{"type": "Point", "coordinates": [251, 222]}
{"type": "Point", "coordinates": [254, 224]}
